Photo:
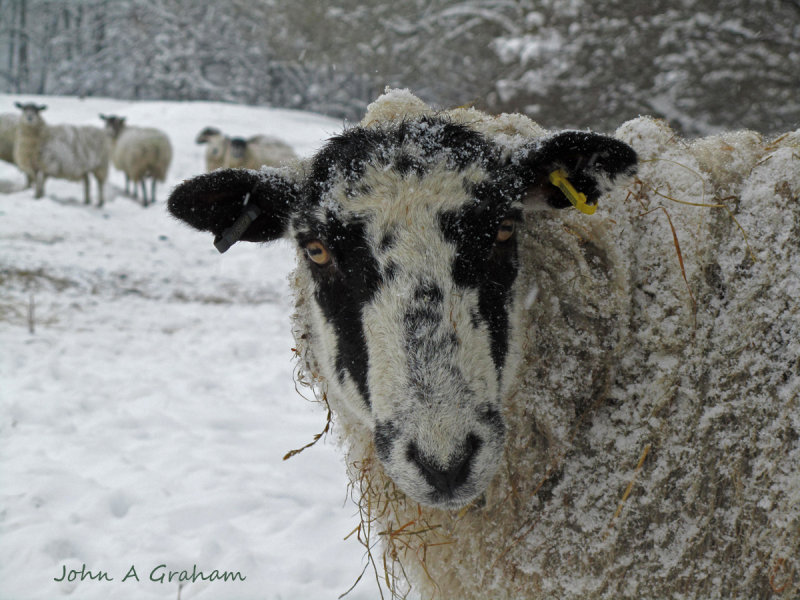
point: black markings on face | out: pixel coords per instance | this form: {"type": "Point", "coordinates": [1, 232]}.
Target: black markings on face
{"type": "Point", "coordinates": [421, 321]}
{"type": "Point", "coordinates": [387, 241]}
{"type": "Point", "coordinates": [429, 294]}
{"type": "Point", "coordinates": [385, 436]}
{"type": "Point", "coordinates": [407, 164]}
{"type": "Point", "coordinates": [390, 271]}
{"type": "Point", "coordinates": [475, 318]}
{"type": "Point", "coordinates": [413, 146]}
{"type": "Point", "coordinates": [494, 303]}
{"type": "Point", "coordinates": [483, 263]}
{"type": "Point", "coordinates": [343, 288]}
{"type": "Point", "coordinates": [426, 342]}
{"type": "Point", "coordinates": [353, 276]}
{"type": "Point", "coordinates": [489, 415]}
{"type": "Point", "coordinates": [445, 479]}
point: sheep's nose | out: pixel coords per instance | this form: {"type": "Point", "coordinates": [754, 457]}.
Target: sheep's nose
{"type": "Point", "coordinates": [446, 480]}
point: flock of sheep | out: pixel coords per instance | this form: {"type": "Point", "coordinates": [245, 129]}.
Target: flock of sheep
{"type": "Point", "coordinates": [143, 154]}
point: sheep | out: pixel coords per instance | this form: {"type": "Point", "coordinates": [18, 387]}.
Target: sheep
{"type": "Point", "coordinates": [258, 151]}
{"type": "Point", "coordinates": [217, 146]}
{"type": "Point", "coordinates": [536, 402]}
{"type": "Point", "coordinates": [240, 153]}
{"type": "Point", "coordinates": [139, 152]}
{"type": "Point", "coordinates": [62, 151]}
{"type": "Point", "coordinates": [8, 133]}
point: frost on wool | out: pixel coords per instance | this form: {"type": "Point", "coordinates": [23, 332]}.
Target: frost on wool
{"type": "Point", "coordinates": [653, 449]}
{"type": "Point", "coordinates": [652, 437]}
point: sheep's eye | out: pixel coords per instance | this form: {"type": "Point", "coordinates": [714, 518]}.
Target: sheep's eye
{"type": "Point", "coordinates": [506, 230]}
{"type": "Point", "coordinates": [318, 253]}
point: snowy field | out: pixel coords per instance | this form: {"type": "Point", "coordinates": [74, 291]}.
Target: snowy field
{"type": "Point", "coordinates": [146, 392]}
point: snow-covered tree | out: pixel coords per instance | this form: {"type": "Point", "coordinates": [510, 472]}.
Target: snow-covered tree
{"type": "Point", "coordinates": [701, 64]}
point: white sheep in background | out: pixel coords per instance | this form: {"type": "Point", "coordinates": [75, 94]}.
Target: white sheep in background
{"type": "Point", "coordinates": [541, 403]}
{"type": "Point", "coordinates": [240, 153]}
{"type": "Point", "coordinates": [141, 153]}
{"type": "Point", "coordinates": [216, 147]}
{"type": "Point", "coordinates": [61, 151]}
{"type": "Point", "coordinates": [258, 151]}
{"type": "Point", "coordinates": [8, 134]}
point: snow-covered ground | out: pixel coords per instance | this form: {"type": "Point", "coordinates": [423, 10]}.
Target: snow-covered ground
{"type": "Point", "coordinates": [146, 392]}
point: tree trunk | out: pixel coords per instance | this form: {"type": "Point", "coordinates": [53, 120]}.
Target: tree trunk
{"type": "Point", "coordinates": [22, 56]}
{"type": "Point", "coordinates": [12, 41]}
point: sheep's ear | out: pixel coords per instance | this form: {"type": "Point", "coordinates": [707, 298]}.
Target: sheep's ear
{"type": "Point", "coordinates": [41, 107]}
{"type": "Point", "coordinates": [19, 105]}
{"type": "Point", "coordinates": [237, 204]}
{"type": "Point", "coordinates": [573, 168]}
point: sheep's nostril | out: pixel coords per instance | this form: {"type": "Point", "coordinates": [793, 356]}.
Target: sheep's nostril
{"type": "Point", "coordinates": [448, 478]}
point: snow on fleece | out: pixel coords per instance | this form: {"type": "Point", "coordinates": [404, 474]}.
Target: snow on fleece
{"type": "Point", "coordinates": [654, 439]}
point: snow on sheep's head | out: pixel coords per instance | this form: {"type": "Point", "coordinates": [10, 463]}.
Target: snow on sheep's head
{"type": "Point", "coordinates": [407, 235]}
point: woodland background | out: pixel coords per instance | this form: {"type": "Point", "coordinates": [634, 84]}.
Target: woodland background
{"type": "Point", "coordinates": [704, 65]}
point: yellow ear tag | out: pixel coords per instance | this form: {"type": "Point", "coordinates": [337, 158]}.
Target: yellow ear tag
{"type": "Point", "coordinates": [559, 179]}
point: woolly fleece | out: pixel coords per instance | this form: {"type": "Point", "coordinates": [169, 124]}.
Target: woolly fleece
{"type": "Point", "coordinates": [654, 437]}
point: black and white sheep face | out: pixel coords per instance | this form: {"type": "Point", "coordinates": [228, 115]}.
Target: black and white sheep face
{"type": "Point", "coordinates": [412, 275]}
{"type": "Point", "coordinates": [114, 125]}
{"type": "Point", "coordinates": [407, 238]}
{"type": "Point", "coordinates": [30, 113]}
{"type": "Point", "coordinates": [237, 150]}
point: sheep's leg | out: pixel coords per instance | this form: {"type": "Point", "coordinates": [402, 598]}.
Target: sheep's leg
{"type": "Point", "coordinates": [39, 178]}
{"type": "Point", "coordinates": [127, 185]}
{"type": "Point", "coordinates": [100, 199]}
{"type": "Point", "coordinates": [144, 192]}
{"type": "Point", "coordinates": [86, 199]}
{"type": "Point", "coordinates": [153, 191]}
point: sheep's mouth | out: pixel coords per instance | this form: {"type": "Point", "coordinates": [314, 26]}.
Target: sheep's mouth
{"type": "Point", "coordinates": [432, 477]}
{"type": "Point", "coordinates": [454, 501]}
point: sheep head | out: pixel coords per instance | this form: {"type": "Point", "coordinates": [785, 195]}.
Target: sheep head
{"type": "Point", "coordinates": [30, 113]}
{"type": "Point", "coordinates": [207, 133]}
{"type": "Point", "coordinates": [237, 152]}
{"type": "Point", "coordinates": [114, 125]}
{"type": "Point", "coordinates": [217, 147]}
{"type": "Point", "coordinates": [407, 239]}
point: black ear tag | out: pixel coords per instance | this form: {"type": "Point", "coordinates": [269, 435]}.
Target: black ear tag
{"type": "Point", "coordinates": [234, 233]}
